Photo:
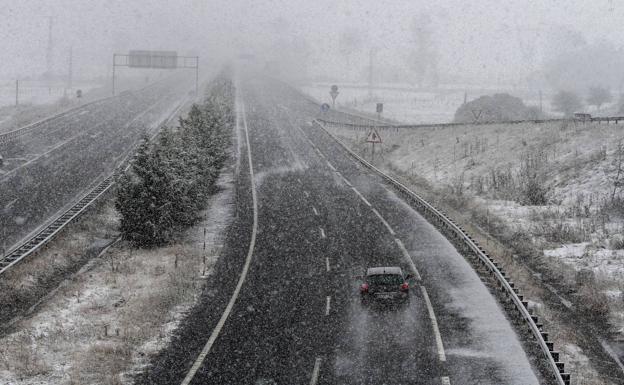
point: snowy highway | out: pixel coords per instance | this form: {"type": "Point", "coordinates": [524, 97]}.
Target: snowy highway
{"type": "Point", "coordinates": [47, 168]}
{"type": "Point", "coordinates": [322, 220]}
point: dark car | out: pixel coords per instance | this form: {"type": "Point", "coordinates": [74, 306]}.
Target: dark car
{"type": "Point", "coordinates": [385, 284]}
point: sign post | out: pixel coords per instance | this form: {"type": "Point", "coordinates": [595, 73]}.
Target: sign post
{"type": "Point", "coordinates": [379, 110]}
{"type": "Point", "coordinates": [334, 93]}
{"type": "Point", "coordinates": [372, 138]}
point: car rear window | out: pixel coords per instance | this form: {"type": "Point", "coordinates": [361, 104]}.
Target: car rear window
{"type": "Point", "coordinates": [385, 279]}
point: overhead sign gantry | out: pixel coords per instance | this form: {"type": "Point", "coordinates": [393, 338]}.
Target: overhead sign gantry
{"type": "Point", "coordinates": [155, 60]}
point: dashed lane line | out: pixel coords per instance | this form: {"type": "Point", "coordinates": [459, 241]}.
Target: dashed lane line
{"type": "Point", "coordinates": [316, 371]}
{"type": "Point", "coordinates": [347, 181]}
{"type": "Point", "coordinates": [315, 211]}
{"type": "Point", "coordinates": [322, 232]}
{"type": "Point", "coordinates": [384, 221]}
{"type": "Point", "coordinates": [327, 267]}
{"type": "Point", "coordinates": [307, 194]}
{"type": "Point", "coordinates": [434, 324]}
{"type": "Point", "coordinates": [361, 197]}
{"type": "Point", "coordinates": [331, 166]}
{"type": "Point", "coordinates": [408, 257]}
{"type": "Point", "coordinates": [215, 333]}
{"type": "Point", "coordinates": [327, 305]}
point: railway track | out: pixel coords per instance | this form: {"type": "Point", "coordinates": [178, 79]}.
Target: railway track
{"type": "Point", "coordinates": [41, 237]}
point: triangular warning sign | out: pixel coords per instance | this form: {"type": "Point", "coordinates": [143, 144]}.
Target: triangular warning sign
{"type": "Point", "coordinates": [373, 136]}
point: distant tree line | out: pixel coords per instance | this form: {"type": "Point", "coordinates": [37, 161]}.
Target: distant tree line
{"type": "Point", "coordinates": [170, 178]}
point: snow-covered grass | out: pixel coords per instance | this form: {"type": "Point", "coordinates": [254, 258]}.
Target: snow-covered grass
{"type": "Point", "coordinates": [101, 326]}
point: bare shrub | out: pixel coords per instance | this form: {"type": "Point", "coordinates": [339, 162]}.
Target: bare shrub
{"type": "Point", "coordinates": [616, 242]}
{"type": "Point", "coordinates": [594, 303]}
{"type": "Point", "coordinates": [22, 353]}
{"type": "Point", "coordinates": [560, 232]}
{"type": "Point", "coordinates": [532, 179]}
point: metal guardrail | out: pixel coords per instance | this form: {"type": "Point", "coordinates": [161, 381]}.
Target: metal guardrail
{"type": "Point", "coordinates": [598, 119]}
{"type": "Point", "coordinates": [12, 135]}
{"type": "Point", "coordinates": [35, 242]}
{"type": "Point", "coordinates": [441, 125]}
{"type": "Point", "coordinates": [508, 287]}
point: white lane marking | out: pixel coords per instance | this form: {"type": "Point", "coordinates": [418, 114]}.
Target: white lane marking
{"type": "Point", "coordinates": [434, 324]}
{"type": "Point", "coordinates": [361, 196]}
{"type": "Point", "coordinates": [347, 182]}
{"type": "Point", "coordinates": [299, 180]}
{"type": "Point", "coordinates": [320, 153]}
{"type": "Point", "coordinates": [327, 305]}
{"type": "Point", "coordinates": [35, 159]}
{"type": "Point", "coordinates": [408, 257]}
{"type": "Point", "coordinates": [307, 194]}
{"type": "Point", "coordinates": [327, 264]}
{"type": "Point", "coordinates": [322, 232]}
{"type": "Point", "coordinates": [241, 279]}
{"type": "Point", "coordinates": [446, 381]}
{"type": "Point", "coordinates": [384, 221]}
{"type": "Point", "coordinates": [315, 211]}
{"type": "Point", "coordinates": [331, 166]}
{"type": "Point", "coordinates": [316, 371]}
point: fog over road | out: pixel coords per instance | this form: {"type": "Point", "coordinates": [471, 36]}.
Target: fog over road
{"type": "Point", "coordinates": [53, 164]}
{"type": "Point", "coordinates": [324, 219]}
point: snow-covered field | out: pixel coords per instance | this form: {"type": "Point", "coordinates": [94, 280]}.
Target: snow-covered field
{"type": "Point", "coordinates": [102, 325]}
{"type": "Point", "coordinates": [405, 104]}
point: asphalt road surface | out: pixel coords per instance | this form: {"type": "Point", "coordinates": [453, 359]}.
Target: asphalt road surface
{"type": "Point", "coordinates": [53, 164]}
{"type": "Point", "coordinates": [297, 319]}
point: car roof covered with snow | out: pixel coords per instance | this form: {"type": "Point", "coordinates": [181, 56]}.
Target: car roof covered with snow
{"type": "Point", "coordinates": [384, 270]}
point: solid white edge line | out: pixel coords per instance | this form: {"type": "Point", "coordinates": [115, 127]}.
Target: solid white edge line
{"type": "Point", "coordinates": [316, 371]}
{"type": "Point", "coordinates": [445, 380]}
{"type": "Point", "coordinates": [327, 305]}
{"type": "Point", "coordinates": [384, 222]}
{"type": "Point", "coordinates": [407, 256]}
{"type": "Point", "coordinates": [327, 264]}
{"type": "Point", "coordinates": [347, 182]}
{"type": "Point", "coordinates": [215, 333]}
{"type": "Point", "coordinates": [322, 232]}
{"type": "Point", "coordinates": [331, 166]}
{"type": "Point", "coordinates": [361, 196]}
{"type": "Point", "coordinates": [434, 324]}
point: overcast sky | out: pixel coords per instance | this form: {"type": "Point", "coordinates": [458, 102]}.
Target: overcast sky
{"type": "Point", "coordinates": [478, 38]}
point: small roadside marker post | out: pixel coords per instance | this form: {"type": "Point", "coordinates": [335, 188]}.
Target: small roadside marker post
{"type": "Point", "coordinates": [334, 94]}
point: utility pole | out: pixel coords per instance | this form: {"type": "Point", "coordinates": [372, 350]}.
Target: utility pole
{"type": "Point", "coordinates": [70, 69]}
{"type": "Point", "coordinates": [370, 73]}
{"type": "Point", "coordinates": [50, 47]}
{"type": "Point", "coordinates": [114, 56]}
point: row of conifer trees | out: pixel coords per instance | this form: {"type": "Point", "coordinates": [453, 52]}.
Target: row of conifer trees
{"type": "Point", "coordinates": [171, 177]}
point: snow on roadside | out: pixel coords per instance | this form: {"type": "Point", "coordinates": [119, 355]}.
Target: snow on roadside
{"type": "Point", "coordinates": [136, 297]}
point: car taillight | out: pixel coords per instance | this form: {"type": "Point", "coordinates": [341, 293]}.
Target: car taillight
{"type": "Point", "coordinates": [405, 286]}
{"type": "Point", "coordinates": [364, 288]}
